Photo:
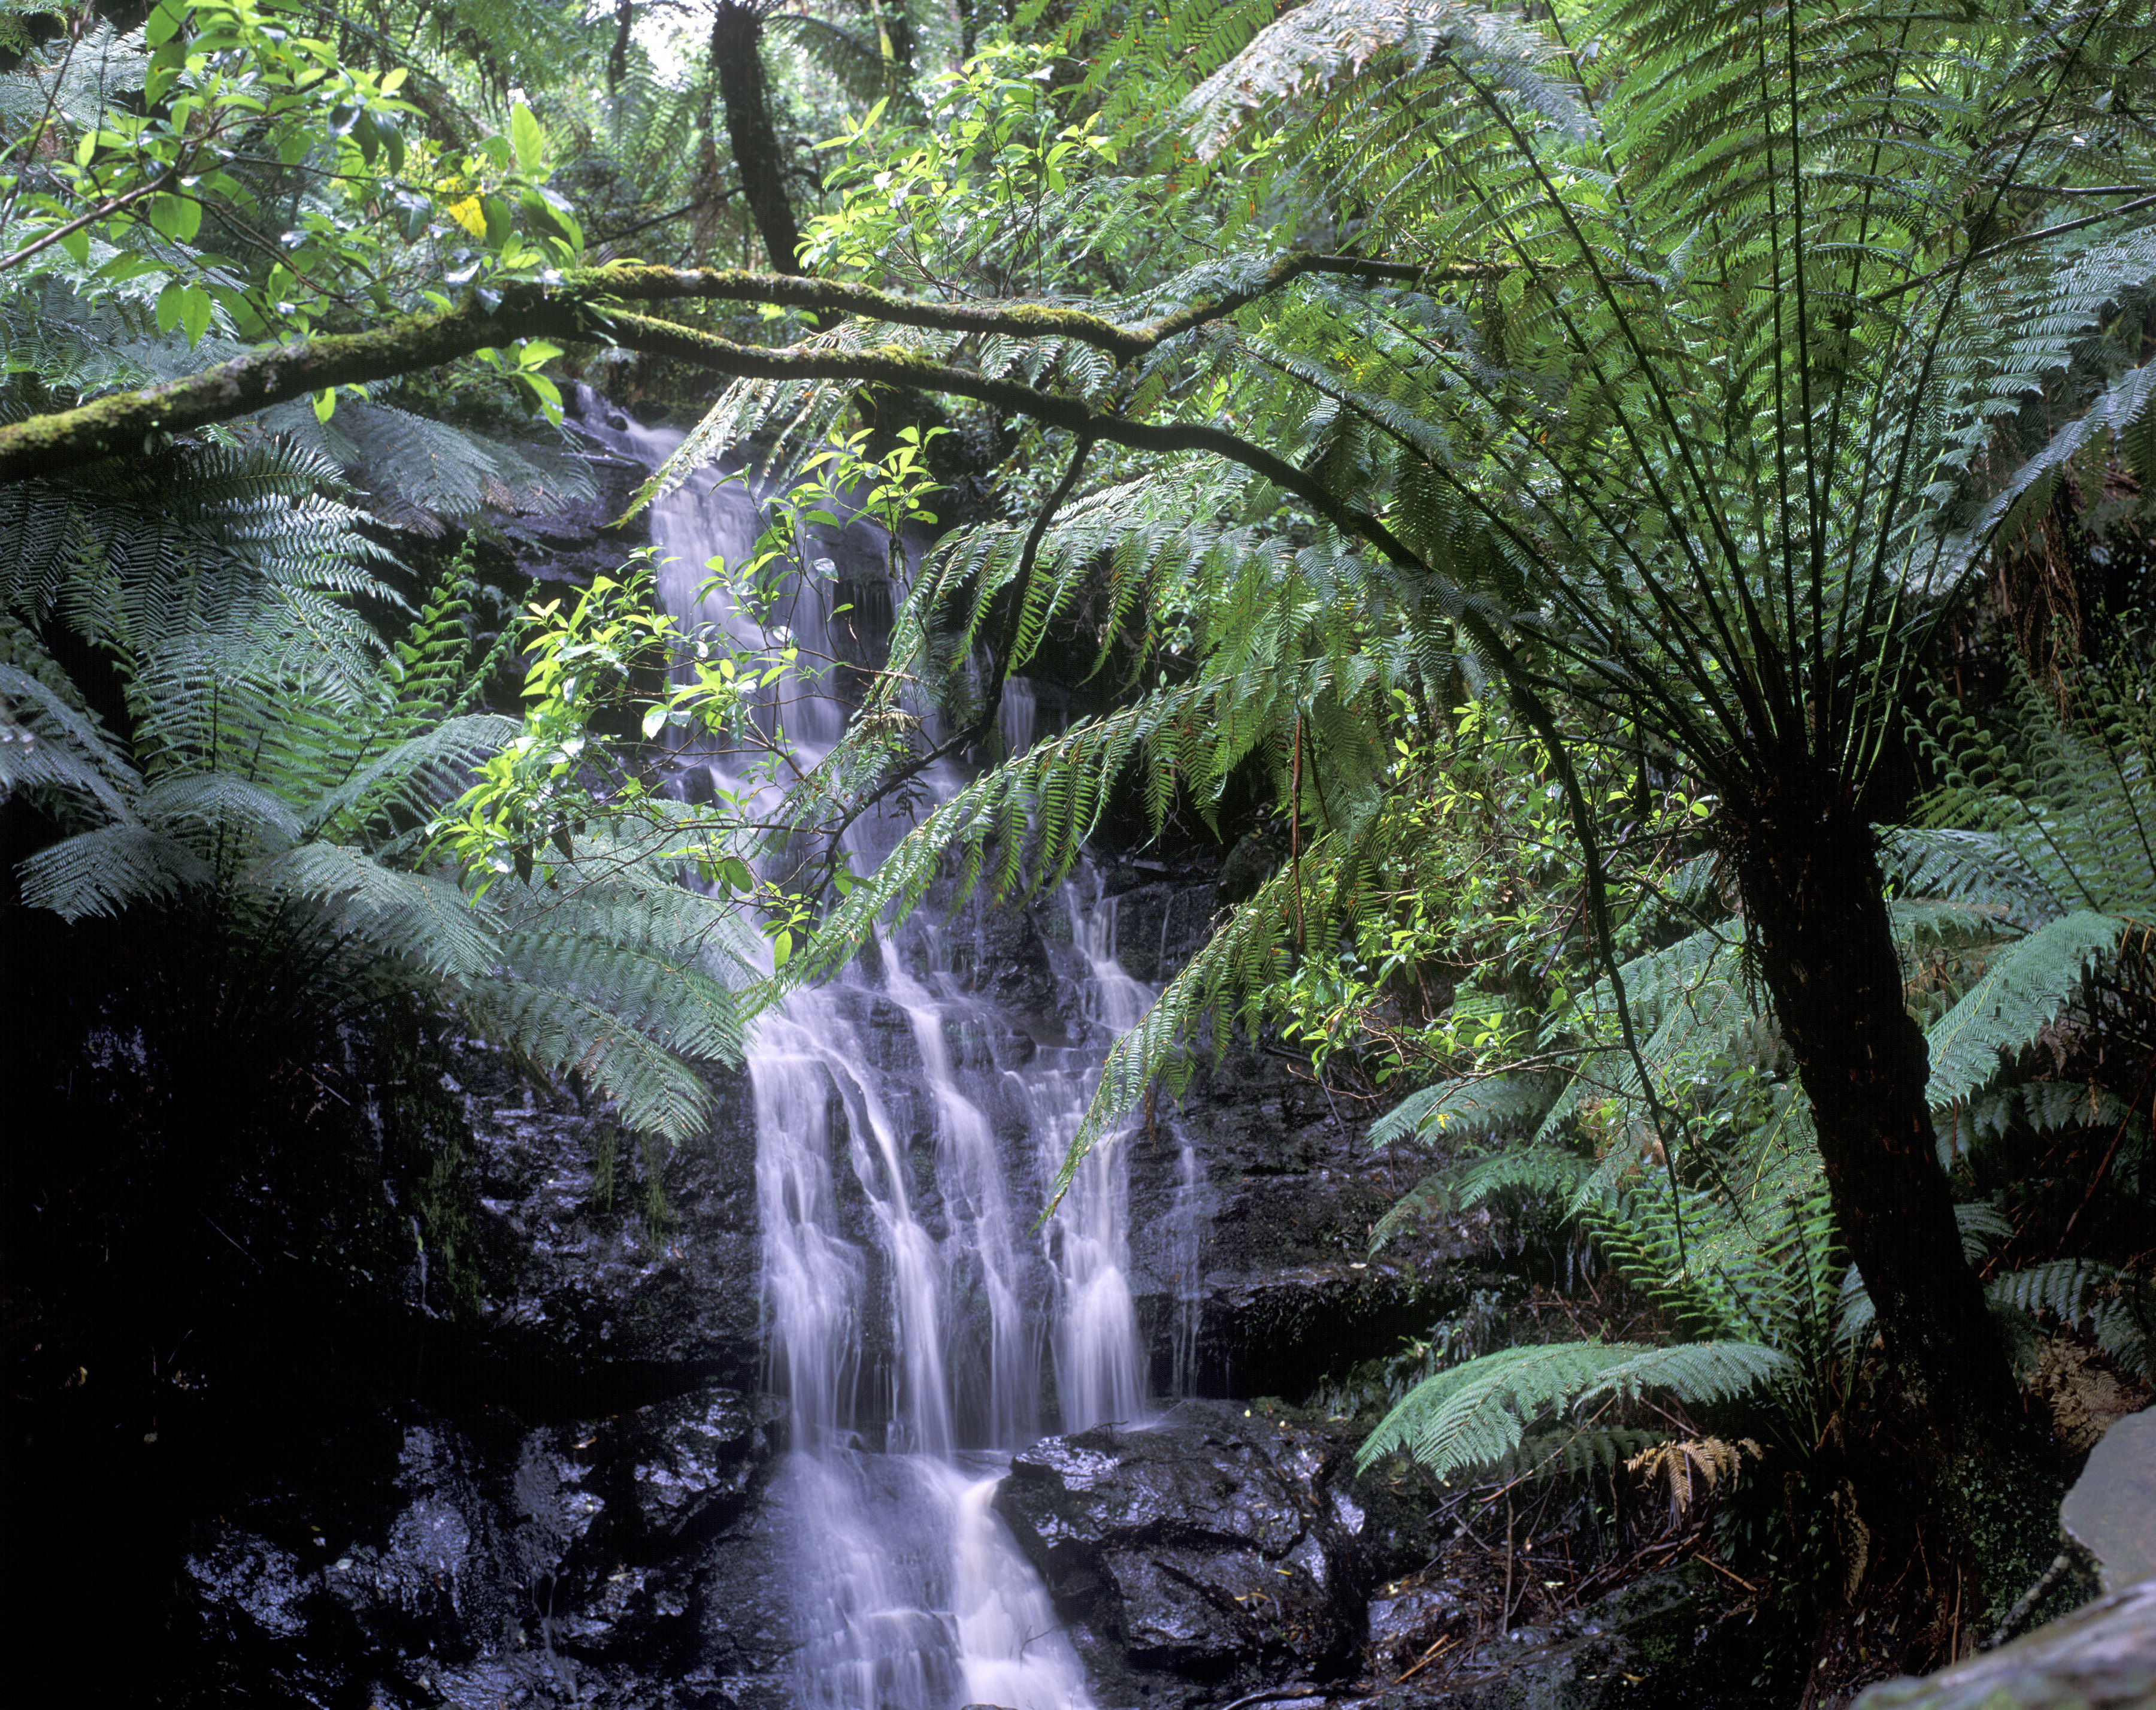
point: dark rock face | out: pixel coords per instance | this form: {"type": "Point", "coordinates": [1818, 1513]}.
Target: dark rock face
{"type": "Point", "coordinates": [579, 1281]}
{"type": "Point", "coordinates": [1259, 1281]}
{"type": "Point", "coordinates": [481, 1562]}
{"type": "Point", "coordinates": [553, 1495]}
{"type": "Point", "coordinates": [1213, 1550]}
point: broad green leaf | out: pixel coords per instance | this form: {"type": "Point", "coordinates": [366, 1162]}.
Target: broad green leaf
{"type": "Point", "coordinates": [529, 140]}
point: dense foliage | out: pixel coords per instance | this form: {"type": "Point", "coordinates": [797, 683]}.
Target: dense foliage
{"type": "Point", "coordinates": [1530, 474]}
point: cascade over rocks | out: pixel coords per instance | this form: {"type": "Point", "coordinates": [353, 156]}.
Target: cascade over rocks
{"type": "Point", "coordinates": [532, 1467]}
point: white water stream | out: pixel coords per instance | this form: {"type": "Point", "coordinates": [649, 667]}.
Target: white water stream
{"type": "Point", "coordinates": [921, 1327]}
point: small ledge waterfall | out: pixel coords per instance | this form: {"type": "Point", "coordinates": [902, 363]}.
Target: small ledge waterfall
{"type": "Point", "coordinates": [921, 1327]}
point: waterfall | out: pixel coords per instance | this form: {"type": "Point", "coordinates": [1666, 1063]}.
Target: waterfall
{"type": "Point", "coordinates": [1189, 1221]}
{"type": "Point", "coordinates": [908, 1136]}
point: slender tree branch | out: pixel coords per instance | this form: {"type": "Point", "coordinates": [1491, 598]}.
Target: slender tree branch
{"type": "Point", "coordinates": [164, 181]}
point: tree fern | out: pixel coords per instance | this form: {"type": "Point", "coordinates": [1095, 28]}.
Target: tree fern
{"type": "Point", "coordinates": [2029, 984]}
{"type": "Point", "coordinates": [1495, 1106]}
{"type": "Point", "coordinates": [418, 472]}
{"type": "Point", "coordinates": [2117, 1308]}
{"type": "Point", "coordinates": [280, 766]}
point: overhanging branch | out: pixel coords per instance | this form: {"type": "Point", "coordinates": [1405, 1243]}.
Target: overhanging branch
{"type": "Point", "coordinates": [575, 306]}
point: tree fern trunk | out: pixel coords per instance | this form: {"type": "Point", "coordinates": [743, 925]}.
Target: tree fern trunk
{"type": "Point", "coordinates": [1809, 879]}
{"type": "Point", "coordinates": [737, 58]}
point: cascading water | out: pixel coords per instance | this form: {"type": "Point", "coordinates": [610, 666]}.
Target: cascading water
{"type": "Point", "coordinates": [906, 1137]}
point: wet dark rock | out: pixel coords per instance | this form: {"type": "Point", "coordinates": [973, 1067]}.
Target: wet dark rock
{"type": "Point", "coordinates": [482, 1563]}
{"type": "Point", "coordinates": [1658, 1642]}
{"type": "Point", "coordinates": [1247, 866]}
{"type": "Point", "coordinates": [1200, 1553]}
{"type": "Point", "coordinates": [1161, 925]}
{"type": "Point", "coordinates": [1002, 956]}
{"type": "Point", "coordinates": [693, 1462]}
{"type": "Point", "coordinates": [1275, 1289]}
{"type": "Point", "coordinates": [579, 1277]}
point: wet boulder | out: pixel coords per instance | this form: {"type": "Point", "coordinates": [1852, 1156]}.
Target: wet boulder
{"type": "Point", "coordinates": [481, 1562]}
{"type": "Point", "coordinates": [1197, 1554]}
{"type": "Point", "coordinates": [691, 1464]}
{"type": "Point", "coordinates": [2101, 1657]}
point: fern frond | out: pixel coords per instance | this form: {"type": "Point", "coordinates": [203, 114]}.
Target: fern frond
{"type": "Point", "coordinates": [1687, 1463]}
{"type": "Point", "coordinates": [413, 916]}
{"type": "Point", "coordinates": [219, 801]}
{"type": "Point", "coordinates": [110, 870]}
{"type": "Point", "coordinates": [1504, 1104]}
{"type": "Point", "coordinates": [1474, 1416]}
{"type": "Point", "coordinates": [2027, 986]}
{"type": "Point", "coordinates": [55, 742]}
{"type": "Point", "coordinates": [670, 999]}
{"type": "Point", "coordinates": [412, 780]}
{"type": "Point", "coordinates": [2116, 1306]}
{"type": "Point", "coordinates": [558, 1032]}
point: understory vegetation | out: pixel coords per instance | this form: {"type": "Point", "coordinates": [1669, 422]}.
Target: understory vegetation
{"type": "Point", "coordinates": [1623, 523]}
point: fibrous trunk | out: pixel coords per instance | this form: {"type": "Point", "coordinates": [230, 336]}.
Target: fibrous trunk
{"type": "Point", "coordinates": [1809, 879]}
{"type": "Point", "coordinates": [737, 60]}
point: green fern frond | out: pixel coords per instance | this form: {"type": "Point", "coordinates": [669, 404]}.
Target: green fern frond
{"type": "Point", "coordinates": [2116, 1307]}
{"type": "Point", "coordinates": [1503, 1105]}
{"type": "Point", "coordinates": [668, 1000]}
{"type": "Point", "coordinates": [1549, 1173]}
{"type": "Point", "coordinates": [56, 742]}
{"type": "Point", "coordinates": [110, 870]}
{"type": "Point", "coordinates": [1476, 1416]}
{"type": "Point", "coordinates": [2027, 986]}
{"type": "Point", "coordinates": [413, 917]}
{"type": "Point", "coordinates": [2042, 1107]}
{"type": "Point", "coordinates": [207, 802]}
{"type": "Point", "coordinates": [1574, 1453]}
{"type": "Point", "coordinates": [558, 1032]}
{"type": "Point", "coordinates": [410, 780]}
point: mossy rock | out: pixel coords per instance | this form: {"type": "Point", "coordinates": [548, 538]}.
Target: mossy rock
{"type": "Point", "coordinates": [2101, 1658]}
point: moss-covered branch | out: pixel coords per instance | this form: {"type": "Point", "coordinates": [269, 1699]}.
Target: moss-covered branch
{"type": "Point", "coordinates": [575, 306]}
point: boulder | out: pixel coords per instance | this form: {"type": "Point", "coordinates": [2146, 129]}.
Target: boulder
{"type": "Point", "coordinates": [1205, 1552]}
{"type": "Point", "coordinates": [2111, 1510]}
{"type": "Point", "coordinates": [2101, 1657]}
{"type": "Point", "coordinates": [481, 1562]}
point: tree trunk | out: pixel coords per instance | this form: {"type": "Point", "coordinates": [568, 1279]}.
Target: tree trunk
{"type": "Point", "coordinates": [738, 58]}
{"type": "Point", "coordinates": [1809, 875]}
